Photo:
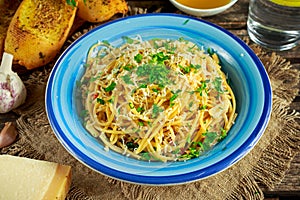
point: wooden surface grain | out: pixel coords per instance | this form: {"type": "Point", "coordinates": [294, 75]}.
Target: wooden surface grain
{"type": "Point", "coordinates": [234, 20]}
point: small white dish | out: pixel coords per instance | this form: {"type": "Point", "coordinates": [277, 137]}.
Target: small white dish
{"type": "Point", "coordinates": [202, 12]}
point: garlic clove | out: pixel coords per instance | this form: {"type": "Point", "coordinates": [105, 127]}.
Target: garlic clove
{"type": "Point", "coordinates": [8, 135]}
{"type": "Point", "coordinates": [12, 90]}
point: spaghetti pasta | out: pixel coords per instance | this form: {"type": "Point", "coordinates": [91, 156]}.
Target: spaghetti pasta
{"type": "Point", "coordinates": [160, 99]}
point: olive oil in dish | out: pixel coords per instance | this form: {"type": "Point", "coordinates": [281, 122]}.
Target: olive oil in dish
{"type": "Point", "coordinates": [203, 4]}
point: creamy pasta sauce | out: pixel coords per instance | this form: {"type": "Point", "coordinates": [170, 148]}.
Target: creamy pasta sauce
{"type": "Point", "coordinates": [162, 100]}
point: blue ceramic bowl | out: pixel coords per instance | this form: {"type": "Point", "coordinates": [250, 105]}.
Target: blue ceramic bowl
{"type": "Point", "coordinates": [248, 77]}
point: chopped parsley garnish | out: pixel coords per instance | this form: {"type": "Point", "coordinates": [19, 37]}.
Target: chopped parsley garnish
{"type": "Point", "coordinates": [156, 109]}
{"type": "Point", "coordinates": [203, 107]}
{"type": "Point", "coordinates": [141, 123]}
{"type": "Point", "coordinates": [159, 58]}
{"type": "Point", "coordinates": [86, 65]}
{"type": "Point", "coordinates": [185, 22]}
{"type": "Point", "coordinates": [193, 151]}
{"type": "Point", "coordinates": [84, 113]}
{"type": "Point", "coordinates": [143, 86]}
{"type": "Point", "coordinates": [78, 83]}
{"type": "Point", "coordinates": [202, 87]}
{"type": "Point", "coordinates": [101, 101]}
{"type": "Point", "coordinates": [223, 134]}
{"type": "Point", "coordinates": [154, 74]}
{"type": "Point", "coordinates": [127, 39]}
{"type": "Point", "coordinates": [181, 39]}
{"type": "Point", "coordinates": [228, 80]}
{"type": "Point", "coordinates": [188, 139]}
{"type": "Point", "coordinates": [71, 3]}
{"type": "Point", "coordinates": [128, 67]}
{"type": "Point", "coordinates": [127, 79]}
{"type": "Point", "coordinates": [210, 51]}
{"type": "Point", "coordinates": [155, 45]}
{"type": "Point", "coordinates": [169, 48]}
{"type": "Point", "coordinates": [131, 146]}
{"type": "Point", "coordinates": [155, 90]}
{"type": "Point", "coordinates": [145, 155]}
{"type": "Point", "coordinates": [111, 87]}
{"type": "Point", "coordinates": [106, 42]}
{"type": "Point", "coordinates": [185, 70]}
{"type": "Point", "coordinates": [140, 109]}
{"type": "Point", "coordinates": [209, 139]}
{"type": "Point", "coordinates": [173, 97]}
{"type": "Point", "coordinates": [190, 49]}
{"type": "Point", "coordinates": [138, 57]}
{"type": "Point", "coordinates": [111, 100]}
{"type": "Point", "coordinates": [94, 78]}
{"type": "Point", "coordinates": [131, 105]}
{"type": "Point", "coordinates": [197, 66]}
{"type": "Point", "coordinates": [218, 84]}
{"type": "Point", "coordinates": [176, 151]}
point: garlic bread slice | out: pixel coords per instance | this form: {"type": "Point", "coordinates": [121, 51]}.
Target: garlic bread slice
{"type": "Point", "coordinates": [38, 30]}
{"type": "Point", "coordinates": [100, 10]}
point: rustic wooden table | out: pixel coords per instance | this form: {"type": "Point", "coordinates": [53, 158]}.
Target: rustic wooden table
{"type": "Point", "coordinates": [234, 20]}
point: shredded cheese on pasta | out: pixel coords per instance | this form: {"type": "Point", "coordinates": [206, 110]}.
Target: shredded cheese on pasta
{"type": "Point", "coordinates": [163, 100]}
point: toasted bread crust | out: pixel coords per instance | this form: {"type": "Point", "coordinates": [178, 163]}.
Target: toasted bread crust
{"type": "Point", "coordinates": [38, 30]}
{"type": "Point", "coordinates": [100, 10]}
{"type": "Point", "coordinates": [7, 10]}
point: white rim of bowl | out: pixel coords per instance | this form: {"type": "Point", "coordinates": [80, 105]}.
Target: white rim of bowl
{"type": "Point", "coordinates": [205, 10]}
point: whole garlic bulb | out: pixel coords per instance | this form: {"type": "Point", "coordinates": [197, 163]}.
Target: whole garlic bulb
{"type": "Point", "coordinates": [12, 89]}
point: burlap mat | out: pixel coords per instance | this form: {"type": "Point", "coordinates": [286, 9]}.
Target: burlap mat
{"type": "Point", "coordinates": [265, 164]}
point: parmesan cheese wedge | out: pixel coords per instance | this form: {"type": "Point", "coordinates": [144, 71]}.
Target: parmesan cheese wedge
{"type": "Point", "coordinates": [24, 178]}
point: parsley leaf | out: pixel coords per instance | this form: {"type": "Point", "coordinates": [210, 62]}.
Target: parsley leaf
{"type": "Point", "coordinates": [101, 101]}
{"type": "Point", "coordinates": [156, 109]}
{"type": "Point", "coordinates": [145, 155]}
{"type": "Point", "coordinates": [143, 86]}
{"type": "Point", "coordinates": [218, 85]}
{"type": "Point", "coordinates": [131, 146]}
{"type": "Point", "coordinates": [140, 109]}
{"type": "Point", "coordinates": [154, 74]}
{"type": "Point", "coordinates": [131, 105]}
{"type": "Point", "coordinates": [223, 134]}
{"type": "Point", "coordinates": [159, 58]}
{"type": "Point", "coordinates": [210, 51]}
{"type": "Point", "coordinates": [185, 70]}
{"type": "Point", "coordinates": [127, 39]}
{"type": "Point", "coordinates": [84, 113]}
{"type": "Point", "coordinates": [110, 87]}
{"type": "Point", "coordinates": [106, 42]}
{"type": "Point", "coordinates": [209, 138]}
{"type": "Point", "coordinates": [71, 3]}
{"type": "Point", "coordinates": [127, 79]}
{"type": "Point", "coordinates": [141, 123]}
{"type": "Point", "coordinates": [138, 57]}
{"type": "Point", "coordinates": [173, 97]}
{"type": "Point", "coordinates": [197, 66]}
{"type": "Point", "coordinates": [185, 22]}
{"type": "Point", "coordinates": [202, 87]}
